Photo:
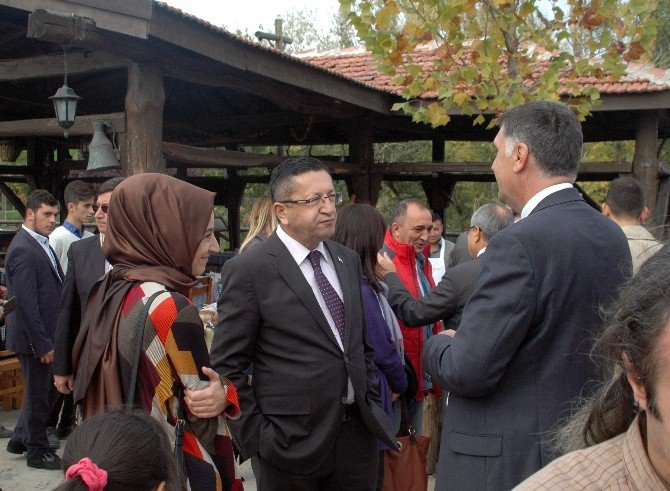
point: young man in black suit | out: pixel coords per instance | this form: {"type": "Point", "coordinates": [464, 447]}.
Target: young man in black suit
{"type": "Point", "coordinates": [447, 300]}
{"type": "Point", "coordinates": [521, 353]}
{"type": "Point", "coordinates": [86, 265]}
{"type": "Point", "coordinates": [34, 277]}
{"type": "Point", "coordinates": [292, 306]}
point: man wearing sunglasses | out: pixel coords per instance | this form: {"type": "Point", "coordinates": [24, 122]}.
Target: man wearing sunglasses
{"type": "Point", "coordinates": [86, 264]}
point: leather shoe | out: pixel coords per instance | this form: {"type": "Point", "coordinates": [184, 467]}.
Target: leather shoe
{"type": "Point", "coordinates": [4, 432]}
{"type": "Point", "coordinates": [54, 442]}
{"type": "Point", "coordinates": [16, 447]}
{"type": "Point", "coordinates": [49, 461]}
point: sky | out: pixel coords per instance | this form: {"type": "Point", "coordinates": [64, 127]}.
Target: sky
{"type": "Point", "coordinates": [249, 14]}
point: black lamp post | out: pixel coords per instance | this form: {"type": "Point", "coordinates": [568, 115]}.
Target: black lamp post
{"type": "Point", "coordinates": [65, 103]}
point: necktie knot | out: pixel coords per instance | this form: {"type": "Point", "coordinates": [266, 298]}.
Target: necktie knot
{"type": "Point", "coordinates": [315, 259]}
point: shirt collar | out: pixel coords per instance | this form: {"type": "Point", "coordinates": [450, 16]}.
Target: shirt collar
{"type": "Point", "coordinates": [38, 237]}
{"type": "Point", "coordinates": [78, 232]}
{"type": "Point", "coordinates": [535, 200]}
{"type": "Point", "coordinates": [298, 251]}
{"type": "Point", "coordinates": [481, 251]}
{"type": "Point", "coordinates": [636, 458]}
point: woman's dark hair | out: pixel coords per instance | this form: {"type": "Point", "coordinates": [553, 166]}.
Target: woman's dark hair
{"type": "Point", "coordinates": [634, 325]}
{"type": "Point", "coordinates": [131, 447]}
{"type": "Point", "coordinates": [360, 227]}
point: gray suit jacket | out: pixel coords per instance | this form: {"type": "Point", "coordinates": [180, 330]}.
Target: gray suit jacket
{"type": "Point", "coordinates": [521, 354]}
{"type": "Point", "coordinates": [269, 315]}
{"type": "Point", "coordinates": [446, 301]}
{"type": "Point", "coordinates": [86, 265]}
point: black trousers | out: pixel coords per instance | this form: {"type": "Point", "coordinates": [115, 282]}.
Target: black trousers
{"type": "Point", "coordinates": [40, 395]}
{"type": "Point", "coordinates": [351, 465]}
{"type": "Point", "coordinates": [62, 413]}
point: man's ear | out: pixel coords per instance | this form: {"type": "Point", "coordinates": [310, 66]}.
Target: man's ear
{"type": "Point", "coordinates": [70, 207]}
{"type": "Point", "coordinates": [280, 212]}
{"type": "Point", "coordinates": [394, 230]}
{"type": "Point", "coordinates": [477, 235]}
{"type": "Point", "coordinates": [644, 215]}
{"type": "Point", "coordinates": [520, 155]}
{"type": "Point", "coordinates": [639, 391]}
{"type": "Point", "coordinates": [606, 210]}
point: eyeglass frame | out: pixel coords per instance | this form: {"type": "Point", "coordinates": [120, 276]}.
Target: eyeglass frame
{"type": "Point", "coordinates": [471, 227]}
{"type": "Point", "coordinates": [336, 199]}
{"type": "Point", "coordinates": [96, 206]}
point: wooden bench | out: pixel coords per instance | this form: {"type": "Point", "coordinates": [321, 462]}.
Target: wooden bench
{"type": "Point", "coordinates": [11, 382]}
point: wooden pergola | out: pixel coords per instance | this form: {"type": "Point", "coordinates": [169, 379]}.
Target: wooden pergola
{"type": "Point", "coordinates": [181, 95]}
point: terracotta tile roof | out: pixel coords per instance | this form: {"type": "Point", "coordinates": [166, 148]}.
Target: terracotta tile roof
{"type": "Point", "coordinates": [359, 64]}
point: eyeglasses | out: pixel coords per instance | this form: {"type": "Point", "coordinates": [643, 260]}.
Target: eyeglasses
{"type": "Point", "coordinates": [104, 208]}
{"type": "Point", "coordinates": [470, 228]}
{"type": "Point", "coordinates": [335, 198]}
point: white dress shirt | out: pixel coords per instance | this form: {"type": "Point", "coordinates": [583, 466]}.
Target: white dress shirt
{"type": "Point", "coordinates": [44, 242]}
{"type": "Point", "coordinates": [535, 200]}
{"type": "Point", "coordinates": [299, 253]}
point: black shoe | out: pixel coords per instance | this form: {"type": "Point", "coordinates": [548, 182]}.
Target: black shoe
{"type": "Point", "coordinates": [49, 461]}
{"type": "Point", "coordinates": [4, 432]}
{"type": "Point", "coordinates": [16, 447]}
{"type": "Point", "coordinates": [63, 433]}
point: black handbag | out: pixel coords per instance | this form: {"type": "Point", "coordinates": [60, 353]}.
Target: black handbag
{"type": "Point", "coordinates": [412, 380]}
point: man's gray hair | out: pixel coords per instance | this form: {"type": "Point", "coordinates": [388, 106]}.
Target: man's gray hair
{"type": "Point", "coordinates": [551, 131]}
{"type": "Point", "coordinates": [491, 218]}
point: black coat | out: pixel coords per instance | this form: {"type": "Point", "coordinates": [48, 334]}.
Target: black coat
{"type": "Point", "coordinates": [268, 315]}
{"type": "Point", "coordinates": [86, 265]}
{"type": "Point", "coordinates": [446, 301]}
{"type": "Point", "coordinates": [37, 286]}
{"type": "Point", "coordinates": [521, 354]}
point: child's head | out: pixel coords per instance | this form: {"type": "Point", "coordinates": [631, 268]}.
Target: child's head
{"type": "Point", "coordinates": [118, 451]}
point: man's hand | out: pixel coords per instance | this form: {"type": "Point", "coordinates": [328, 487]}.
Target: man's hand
{"type": "Point", "coordinates": [209, 402]}
{"type": "Point", "coordinates": [48, 358]}
{"type": "Point", "coordinates": [394, 396]}
{"type": "Point", "coordinates": [64, 384]}
{"type": "Point", "coordinates": [3, 292]}
{"type": "Point", "coordinates": [386, 266]}
{"type": "Point", "coordinates": [448, 332]}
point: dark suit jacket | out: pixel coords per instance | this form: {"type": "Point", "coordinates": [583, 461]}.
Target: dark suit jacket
{"type": "Point", "coordinates": [446, 301]}
{"type": "Point", "coordinates": [86, 264]}
{"type": "Point", "coordinates": [37, 286]}
{"type": "Point", "coordinates": [521, 353]}
{"type": "Point", "coordinates": [268, 315]}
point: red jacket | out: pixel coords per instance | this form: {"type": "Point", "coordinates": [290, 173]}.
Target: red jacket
{"type": "Point", "coordinates": [404, 259]}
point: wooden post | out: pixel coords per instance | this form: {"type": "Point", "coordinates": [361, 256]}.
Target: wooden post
{"type": "Point", "coordinates": [645, 160]}
{"type": "Point", "coordinates": [233, 199]}
{"type": "Point", "coordinates": [365, 186]}
{"type": "Point", "coordinates": [438, 190]}
{"type": "Point", "coordinates": [438, 150]}
{"type": "Point", "coordinates": [144, 123]}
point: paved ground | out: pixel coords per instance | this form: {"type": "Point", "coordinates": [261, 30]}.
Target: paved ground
{"type": "Point", "coordinates": [15, 475]}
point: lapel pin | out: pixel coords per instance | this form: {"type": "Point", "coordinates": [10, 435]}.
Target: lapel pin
{"type": "Point", "coordinates": [340, 259]}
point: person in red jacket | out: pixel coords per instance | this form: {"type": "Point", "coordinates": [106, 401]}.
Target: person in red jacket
{"type": "Point", "coordinates": [406, 243]}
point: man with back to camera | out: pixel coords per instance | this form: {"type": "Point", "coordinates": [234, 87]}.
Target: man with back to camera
{"type": "Point", "coordinates": [292, 306]}
{"type": "Point", "coordinates": [86, 265]}
{"type": "Point", "coordinates": [520, 355]}
{"type": "Point", "coordinates": [624, 204]}
{"type": "Point", "coordinates": [34, 277]}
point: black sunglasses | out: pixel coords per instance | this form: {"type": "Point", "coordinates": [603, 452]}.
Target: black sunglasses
{"type": "Point", "coordinates": [104, 208]}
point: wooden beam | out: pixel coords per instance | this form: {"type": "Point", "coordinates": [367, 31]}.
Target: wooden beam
{"type": "Point", "coordinates": [144, 109]}
{"type": "Point", "coordinates": [13, 198]}
{"type": "Point", "coordinates": [49, 127]}
{"type": "Point", "coordinates": [645, 160]}
{"type": "Point", "coordinates": [227, 49]}
{"type": "Point", "coordinates": [179, 154]}
{"type": "Point", "coordinates": [52, 65]}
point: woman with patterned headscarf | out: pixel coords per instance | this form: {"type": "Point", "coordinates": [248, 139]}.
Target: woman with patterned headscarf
{"type": "Point", "coordinates": [159, 237]}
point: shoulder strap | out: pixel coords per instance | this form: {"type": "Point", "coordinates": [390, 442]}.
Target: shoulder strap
{"type": "Point", "coordinates": [138, 350]}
